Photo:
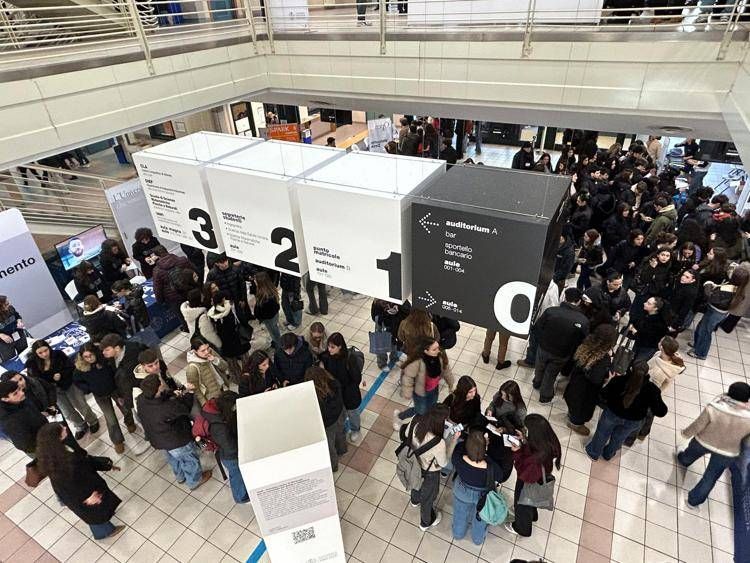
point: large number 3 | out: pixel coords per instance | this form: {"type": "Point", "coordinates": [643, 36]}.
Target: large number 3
{"type": "Point", "coordinates": [205, 235]}
{"type": "Point", "coordinates": [285, 257]}
{"type": "Point", "coordinates": [392, 265]}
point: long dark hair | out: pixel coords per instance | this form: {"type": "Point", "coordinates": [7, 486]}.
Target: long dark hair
{"type": "Point", "coordinates": [596, 345]}
{"type": "Point", "coordinates": [337, 339]}
{"type": "Point", "coordinates": [542, 440]}
{"type": "Point", "coordinates": [52, 457]}
{"type": "Point", "coordinates": [432, 421]}
{"type": "Point", "coordinates": [36, 359]}
{"type": "Point", "coordinates": [739, 279]}
{"type": "Point", "coordinates": [107, 247]}
{"type": "Point", "coordinates": [513, 391]}
{"type": "Point", "coordinates": [82, 271]}
{"type": "Point", "coordinates": [636, 379]}
{"type": "Point", "coordinates": [418, 352]}
{"type": "Point", "coordinates": [227, 405]}
{"type": "Point", "coordinates": [718, 266]}
{"type": "Point", "coordinates": [464, 385]}
{"type": "Point", "coordinates": [322, 380]}
{"type": "Point", "coordinates": [250, 369]}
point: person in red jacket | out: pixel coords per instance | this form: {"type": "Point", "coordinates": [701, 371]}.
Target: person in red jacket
{"type": "Point", "coordinates": [540, 448]}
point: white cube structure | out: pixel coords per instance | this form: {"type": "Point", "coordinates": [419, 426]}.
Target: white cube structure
{"type": "Point", "coordinates": [257, 212]}
{"type": "Point", "coordinates": [287, 472]}
{"type": "Point", "coordinates": [172, 176]}
{"type": "Point", "coordinates": [355, 214]}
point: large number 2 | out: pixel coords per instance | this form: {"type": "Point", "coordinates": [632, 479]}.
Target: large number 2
{"type": "Point", "coordinates": [392, 265]}
{"type": "Point", "coordinates": [285, 257]}
{"type": "Point", "coordinates": [205, 235]}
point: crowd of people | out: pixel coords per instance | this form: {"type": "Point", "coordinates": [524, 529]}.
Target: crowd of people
{"type": "Point", "coordinates": [648, 263]}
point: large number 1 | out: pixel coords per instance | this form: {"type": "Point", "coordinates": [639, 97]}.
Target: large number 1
{"type": "Point", "coordinates": [205, 235]}
{"type": "Point", "coordinates": [285, 257]}
{"type": "Point", "coordinates": [392, 265]}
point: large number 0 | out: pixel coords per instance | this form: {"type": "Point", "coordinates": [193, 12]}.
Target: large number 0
{"type": "Point", "coordinates": [205, 235]}
{"type": "Point", "coordinates": [285, 257]}
{"type": "Point", "coordinates": [504, 301]}
{"type": "Point", "coordinates": [392, 265]}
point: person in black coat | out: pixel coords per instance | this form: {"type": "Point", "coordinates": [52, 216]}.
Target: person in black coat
{"type": "Point", "coordinates": [123, 357]}
{"type": "Point", "coordinates": [331, 405]}
{"type": "Point", "coordinates": [625, 257]}
{"type": "Point", "coordinates": [89, 281]}
{"type": "Point", "coordinates": [132, 303]}
{"type": "Point", "coordinates": [291, 296]}
{"type": "Point", "coordinates": [524, 158]}
{"type": "Point", "coordinates": [388, 316]}
{"type": "Point", "coordinates": [681, 302]}
{"type": "Point", "coordinates": [76, 481]}
{"type": "Point", "coordinates": [165, 416]}
{"type": "Point", "coordinates": [613, 296]}
{"type": "Point", "coordinates": [342, 364]}
{"type": "Point", "coordinates": [593, 361]}
{"type": "Point", "coordinates": [54, 367]}
{"type": "Point", "coordinates": [99, 321]}
{"type": "Point", "coordinates": [580, 217]}
{"type": "Point", "coordinates": [559, 331]}
{"type": "Point", "coordinates": [617, 227]}
{"type": "Point", "coordinates": [197, 259]}
{"type": "Point", "coordinates": [12, 330]}
{"type": "Point", "coordinates": [293, 359]}
{"type": "Point", "coordinates": [145, 241]}
{"type": "Point", "coordinates": [564, 259]}
{"type": "Point", "coordinates": [649, 328]}
{"type": "Point", "coordinates": [258, 375]}
{"type": "Point", "coordinates": [113, 261]}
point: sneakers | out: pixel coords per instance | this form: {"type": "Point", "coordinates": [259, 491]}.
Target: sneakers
{"type": "Point", "coordinates": [509, 528]}
{"type": "Point", "coordinates": [485, 358]}
{"type": "Point", "coordinates": [691, 506]}
{"type": "Point", "coordinates": [524, 364]}
{"type": "Point", "coordinates": [503, 365]}
{"type": "Point", "coordinates": [79, 434]}
{"type": "Point", "coordinates": [363, 24]}
{"type": "Point", "coordinates": [581, 429]}
{"type": "Point", "coordinates": [290, 327]}
{"type": "Point", "coordinates": [692, 354]}
{"type": "Point", "coordinates": [435, 522]}
{"type": "Point", "coordinates": [118, 529]}
{"type": "Point", "coordinates": [396, 420]}
{"type": "Point", "coordinates": [205, 476]}
{"type": "Point", "coordinates": [354, 436]}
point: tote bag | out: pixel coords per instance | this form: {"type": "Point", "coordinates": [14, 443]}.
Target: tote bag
{"type": "Point", "coordinates": [539, 495]}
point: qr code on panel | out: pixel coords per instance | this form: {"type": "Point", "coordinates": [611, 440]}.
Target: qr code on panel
{"type": "Point", "coordinates": [303, 535]}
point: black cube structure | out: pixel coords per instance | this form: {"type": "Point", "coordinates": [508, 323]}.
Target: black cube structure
{"type": "Point", "coordinates": [484, 241]}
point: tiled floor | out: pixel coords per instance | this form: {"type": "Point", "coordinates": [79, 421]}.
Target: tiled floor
{"type": "Point", "coordinates": [629, 510]}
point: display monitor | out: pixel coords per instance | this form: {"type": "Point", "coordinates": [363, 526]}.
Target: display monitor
{"type": "Point", "coordinates": [83, 246]}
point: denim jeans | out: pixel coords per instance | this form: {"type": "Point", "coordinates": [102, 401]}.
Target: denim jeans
{"type": "Point", "coordinates": [293, 318]}
{"type": "Point", "coordinates": [185, 464]}
{"type": "Point", "coordinates": [113, 427]}
{"type": "Point", "coordinates": [421, 404]}
{"type": "Point", "coordinates": [705, 330]}
{"type": "Point", "coordinates": [531, 349]}
{"type": "Point", "coordinates": [611, 433]}
{"type": "Point", "coordinates": [465, 501]}
{"type": "Point", "coordinates": [353, 417]}
{"type": "Point", "coordinates": [272, 326]}
{"type": "Point", "coordinates": [716, 466]}
{"type": "Point", "coordinates": [236, 483]}
{"type": "Point", "coordinates": [74, 407]}
{"type": "Point", "coordinates": [101, 531]}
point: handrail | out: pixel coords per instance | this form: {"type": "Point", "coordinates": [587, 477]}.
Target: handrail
{"type": "Point", "coordinates": [48, 32]}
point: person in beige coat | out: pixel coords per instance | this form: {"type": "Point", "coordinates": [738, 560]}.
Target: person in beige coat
{"type": "Point", "coordinates": [719, 431]}
{"type": "Point", "coordinates": [420, 378]}
{"type": "Point", "coordinates": [207, 371]}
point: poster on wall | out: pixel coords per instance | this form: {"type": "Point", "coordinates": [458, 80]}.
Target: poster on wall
{"type": "Point", "coordinates": [256, 211]}
{"type": "Point", "coordinates": [172, 177]}
{"type": "Point", "coordinates": [481, 245]}
{"type": "Point", "coordinates": [380, 133]}
{"type": "Point", "coordinates": [131, 212]}
{"type": "Point", "coordinates": [283, 132]}
{"type": "Point", "coordinates": [26, 280]}
{"type": "Point", "coordinates": [287, 472]}
{"type": "Point", "coordinates": [364, 249]}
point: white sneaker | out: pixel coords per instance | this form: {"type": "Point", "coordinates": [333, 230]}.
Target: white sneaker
{"type": "Point", "coordinates": [354, 436]}
{"type": "Point", "coordinates": [509, 528]}
{"type": "Point", "coordinates": [290, 327]}
{"type": "Point", "coordinates": [397, 422]}
{"type": "Point", "coordinates": [435, 522]}
{"type": "Point", "coordinates": [138, 447]}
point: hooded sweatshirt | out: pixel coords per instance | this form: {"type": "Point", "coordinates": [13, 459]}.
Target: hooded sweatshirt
{"type": "Point", "coordinates": [205, 326]}
{"type": "Point", "coordinates": [209, 378]}
{"type": "Point", "coordinates": [662, 372]}
{"type": "Point", "coordinates": [722, 426]}
{"type": "Point", "coordinates": [663, 223]}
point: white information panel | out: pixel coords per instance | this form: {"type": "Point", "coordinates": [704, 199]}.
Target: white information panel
{"type": "Point", "coordinates": [173, 179]}
{"type": "Point", "coordinates": [287, 472]}
{"type": "Point", "coordinates": [256, 210]}
{"type": "Point", "coordinates": [507, 11]}
{"type": "Point", "coordinates": [354, 214]}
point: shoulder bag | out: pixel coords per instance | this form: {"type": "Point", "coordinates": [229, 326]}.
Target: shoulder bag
{"type": "Point", "coordinates": [539, 495]}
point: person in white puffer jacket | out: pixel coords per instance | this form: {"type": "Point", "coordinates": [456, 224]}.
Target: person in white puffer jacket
{"type": "Point", "coordinates": [193, 310]}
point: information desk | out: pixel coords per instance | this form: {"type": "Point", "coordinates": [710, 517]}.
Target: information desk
{"type": "Point", "coordinates": [72, 336]}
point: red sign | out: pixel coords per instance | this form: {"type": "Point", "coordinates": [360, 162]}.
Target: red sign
{"type": "Point", "coordinates": [284, 131]}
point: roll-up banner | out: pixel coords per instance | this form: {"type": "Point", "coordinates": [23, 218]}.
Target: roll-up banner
{"type": "Point", "coordinates": [26, 280]}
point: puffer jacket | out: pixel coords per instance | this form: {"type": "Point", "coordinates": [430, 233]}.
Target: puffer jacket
{"type": "Point", "coordinates": [292, 366]}
{"type": "Point", "coordinates": [664, 222]}
{"type": "Point", "coordinates": [413, 379]}
{"type": "Point", "coordinates": [205, 326]}
{"type": "Point", "coordinates": [102, 321]}
{"type": "Point", "coordinates": [164, 290]}
{"type": "Point", "coordinates": [209, 378]}
{"type": "Point", "coordinates": [663, 373]}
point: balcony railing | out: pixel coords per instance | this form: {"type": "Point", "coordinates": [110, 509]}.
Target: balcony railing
{"type": "Point", "coordinates": [51, 33]}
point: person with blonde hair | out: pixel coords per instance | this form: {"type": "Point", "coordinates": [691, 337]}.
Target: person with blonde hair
{"type": "Point", "coordinates": [415, 328]}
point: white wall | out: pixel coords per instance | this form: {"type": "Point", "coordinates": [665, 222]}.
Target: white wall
{"type": "Point", "coordinates": [564, 84]}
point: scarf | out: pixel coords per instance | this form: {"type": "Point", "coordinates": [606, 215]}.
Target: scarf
{"type": "Point", "coordinates": [434, 365]}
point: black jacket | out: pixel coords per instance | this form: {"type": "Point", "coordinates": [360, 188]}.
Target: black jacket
{"type": "Point", "coordinates": [651, 329]}
{"type": "Point", "coordinates": [139, 251]}
{"type": "Point", "coordinates": [623, 254]}
{"type": "Point", "coordinates": [561, 329]}
{"type": "Point", "coordinates": [603, 206]}
{"type": "Point", "coordinates": [197, 259]}
{"type": "Point", "coordinates": [229, 281]}
{"type": "Point", "coordinates": [614, 302]}
{"type": "Point", "coordinates": [385, 319]}
{"type": "Point", "coordinates": [345, 370]}
{"type": "Point", "coordinates": [166, 420]}
{"type": "Point", "coordinates": [410, 145]}
{"type": "Point", "coordinates": [564, 260]}
{"type": "Point", "coordinates": [266, 309]}
{"type": "Point", "coordinates": [253, 385]}
{"type": "Point", "coordinates": [292, 367]}
{"type": "Point", "coordinates": [135, 307]}
{"type": "Point", "coordinates": [653, 281]}
{"type": "Point", "coordinates": [290, 283]}
{"type": "Point", "coordinates": [614, 229]}
{"type": "Point", "coordinates": [92, 285]}
{"type": "Point", "coordinates": [580, 220]}
{"type": "Point", "coordinates": [102, 322]}
{"type": "Point", "coordinates": [21, 422]}
{"type": "Point", "coordinates": [41, 393]}
{"type": "Point", "coordinates": [83, 480]}
{"type": "Point", "coordinates": [59, 363]}
{"type": "Point", "coordinates": [649, 397]}
{"type": "Point", "coordinates": [221, 432]}
{"type": "Point", "coordinates": [124, 377]}
{"type": "Point", "coordinates": [681, 302]}
{"type": "Point", "coordinates": [582, 393]}
{"type": "Point", "coordinates": [111, 268]}
{"type": "Point", "coordinates": [523, 160]}
{"type": "Point", "coordinates": [331, 405]}
{"type": "Point", "coordinates": [98, 380]}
